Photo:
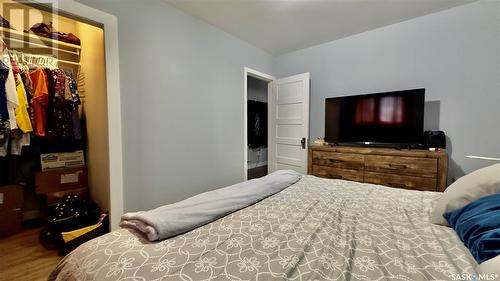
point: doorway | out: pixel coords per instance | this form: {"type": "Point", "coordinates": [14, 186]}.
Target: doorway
{"type": "Point", "coordinates": [72, 142]}
{"type": "Point", "coordinates": [287, 124]}
{"type": "Point", "coordinates": [256, 96]}
{"type": "Point", "coordinates": [99, 95]}
{"type": "Point", "coordinates": [257, 130]}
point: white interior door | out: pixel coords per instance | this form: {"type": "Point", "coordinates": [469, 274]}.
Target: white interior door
{"type": "Point", "coordinates": [289, 123]}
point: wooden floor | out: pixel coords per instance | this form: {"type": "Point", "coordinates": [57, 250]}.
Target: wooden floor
{"type": "Point", "coordinates": [257, 172]}
{"type": "Point", "coordinates": [22, 257]}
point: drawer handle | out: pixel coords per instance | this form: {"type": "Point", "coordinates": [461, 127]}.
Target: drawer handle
{"type": "Point", "coordinates": [399, 166]}
{"type": "Point", "coordinates": [335, 177]}
{"type": "Point", "coordinates": [401, 185]}
{"type": "Point", "coordinates": [335, 160]}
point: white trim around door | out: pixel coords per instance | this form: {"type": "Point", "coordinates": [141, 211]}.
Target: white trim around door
{"type": "Point", "coordinates": [262, 76]}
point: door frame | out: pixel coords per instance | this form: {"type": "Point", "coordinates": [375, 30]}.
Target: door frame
{"type": "Point", "coordinates": [113, 95]}
{"type": "Point", "coordinates": [261, 76]}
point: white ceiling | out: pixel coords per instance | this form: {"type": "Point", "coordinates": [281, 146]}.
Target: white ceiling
{"type": "Point", "coordinates": [280, 26]}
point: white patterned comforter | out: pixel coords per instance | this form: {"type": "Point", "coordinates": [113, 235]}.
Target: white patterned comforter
{"type": "Point", "coordinates": [317, 229]}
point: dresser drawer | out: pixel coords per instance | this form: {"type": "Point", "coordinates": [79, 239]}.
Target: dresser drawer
{"type": "Point", "coordinates": [407, 182]}
{"type": "Point", "coordinates": [337, 173]}
{"type": "Point", "coordinates": [338, 160]}
{"type": "Point", "coordinates": [422, 167]}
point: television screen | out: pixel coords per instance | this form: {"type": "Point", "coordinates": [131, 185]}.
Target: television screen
{"type": "Point", "coordinates": [384, 118]}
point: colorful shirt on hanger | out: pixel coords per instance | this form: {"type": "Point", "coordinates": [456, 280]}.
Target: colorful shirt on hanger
{"type": "Point", "coordinates": [28, 86]}
{"type": "Point", "coordinates": [22, 116]}
{"type": "Point", "coordinates": [23, 119]}
{"type": "Point", "coordinates": [62, 123]}
{"type": "Point", "coordinates": [47, 101]}
{"type": "Point", "coordinates": [40, 100]}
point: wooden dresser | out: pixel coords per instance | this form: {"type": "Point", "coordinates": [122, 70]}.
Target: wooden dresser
{"type": "Point", "coordinates": [409, 169]}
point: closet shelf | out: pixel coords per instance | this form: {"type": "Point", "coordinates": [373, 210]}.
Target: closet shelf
{"type": "Point", "coordinates": [39, 41]}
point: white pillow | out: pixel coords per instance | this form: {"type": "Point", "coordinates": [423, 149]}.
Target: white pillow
{"type": "Point", "coordinates": [491, 266]}
{"type": "Point", "coordinates": [469, 188]}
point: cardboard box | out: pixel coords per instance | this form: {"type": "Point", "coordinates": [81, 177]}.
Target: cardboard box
{"type": "Point", "coordinates": [55, 197]}
{"type": "Point", "coordinates": [64, 160]}
{"type": "Point", "coordinates": [11, 197]}
{"type": "Point", "coordinates": [61, 180]}
{"type": "Point", "coordinates": [11, 222]}
{"type": "Point", "coordinates": [11, 204]}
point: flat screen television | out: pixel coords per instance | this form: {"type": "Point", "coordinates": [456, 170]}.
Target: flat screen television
{"type": "Point", "coordinates": [386, 119]}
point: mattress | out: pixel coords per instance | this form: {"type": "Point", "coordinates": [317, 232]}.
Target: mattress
{"type": "Point", "coordinates": [316, 229]}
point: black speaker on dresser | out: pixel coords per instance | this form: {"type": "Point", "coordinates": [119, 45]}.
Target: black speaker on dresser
{"type": "Point", "coordinates": [434, 139]}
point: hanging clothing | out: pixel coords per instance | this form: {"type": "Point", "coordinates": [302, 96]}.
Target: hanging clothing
{"type": "Point", "coordinates": [28, 86]}
{"type": "Point", "coordinates": [4, 73]}
{"type": "Point", "coordinates": [62, 122]}
{"type": "Point", "coordinates": [11, 93]}
{"type": "Point", "coordinates": [14, 66]}
{"type": "Point", "coordinates": [4, 112]}
{"type": "Point", "coordinates": [67, 90]}
{"type": "Point", "coordinates": [47, 102]}
{"type": "Point", "coordinates": [73, 99]}
{"type": "Point", "coordinates": [50, 102]}
{"type": "Point", "coordinates": [40, 100]}
{"type": "Point", "coordinates": [22, 116]}
{"type": "Point", "coordinates": [16, 142]}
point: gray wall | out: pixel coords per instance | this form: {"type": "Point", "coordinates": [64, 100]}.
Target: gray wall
{"type": "Point", "coordinates": [454, 54]}
{"type": "Point", "coordinates": [182, 89]}
{"type": "Point", "coordinates": [182, 102]}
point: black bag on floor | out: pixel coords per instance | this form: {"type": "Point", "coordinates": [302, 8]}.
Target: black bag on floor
{"type": "Point", "coordinates": [71, 213]}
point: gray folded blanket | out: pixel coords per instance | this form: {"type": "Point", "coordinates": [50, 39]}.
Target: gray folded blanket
{"type": "Point", "coordinates": [170, 220]}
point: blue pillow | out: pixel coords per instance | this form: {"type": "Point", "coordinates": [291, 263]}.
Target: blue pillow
{"type": "Point", "coordinates": [478, 225]}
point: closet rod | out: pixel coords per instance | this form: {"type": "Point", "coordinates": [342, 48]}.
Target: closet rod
{"type": "Point", "coordinates": [56, 59]}
{"type": "Point", "coordinates": [76, 53]}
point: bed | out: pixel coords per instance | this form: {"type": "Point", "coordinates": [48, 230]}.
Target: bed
{"type": "Point", "coordinates": [316, 229]}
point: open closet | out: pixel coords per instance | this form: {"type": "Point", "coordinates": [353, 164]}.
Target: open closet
{"type": "Point", "coordinates": [53, 133]}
